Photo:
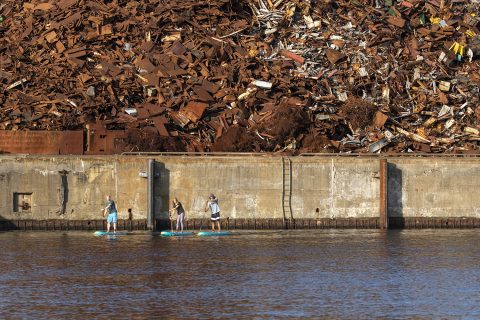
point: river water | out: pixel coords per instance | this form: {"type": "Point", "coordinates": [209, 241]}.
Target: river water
{"type": "Point", "coordinates": [342, 274]}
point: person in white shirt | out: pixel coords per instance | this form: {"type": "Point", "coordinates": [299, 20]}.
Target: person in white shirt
{"type": "Point", "coordinates": [212, 203]}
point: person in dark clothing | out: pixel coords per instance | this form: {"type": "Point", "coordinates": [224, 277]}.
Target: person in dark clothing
{"type": "Point", "coordinates": [178, 208]}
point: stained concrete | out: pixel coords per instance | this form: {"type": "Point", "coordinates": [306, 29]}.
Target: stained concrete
{"type": "Point", "coordinates": [248, 187]}
{"type": "Point", "coordinates": [433, 187]}
{"type": "Point", "coordinates": [81, 193]}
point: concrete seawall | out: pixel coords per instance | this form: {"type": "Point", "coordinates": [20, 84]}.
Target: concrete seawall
{"type": "Point", "coordinates": [255, 192]}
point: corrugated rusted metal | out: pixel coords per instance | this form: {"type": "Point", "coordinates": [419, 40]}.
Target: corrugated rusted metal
{"type": "Point", "coordinates": [103, 141]}
{"type": "Point", "coordinates": [41, 142]}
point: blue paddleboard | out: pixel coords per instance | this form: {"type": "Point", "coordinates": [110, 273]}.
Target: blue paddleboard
{"type": "Point", "coordinates": [175, 233]}
{"type": "Point", "coordinates": [105, 233]}
{"type": "Point", "coordinates": [216, 233]}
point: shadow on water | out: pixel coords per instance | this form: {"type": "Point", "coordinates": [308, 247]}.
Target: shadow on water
{"type": "Point", "coordinates": [394, 196]}
{"type": "Point", "coordinates": [161, 196]}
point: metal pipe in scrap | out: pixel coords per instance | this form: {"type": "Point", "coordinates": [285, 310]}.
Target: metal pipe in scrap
{"type": "Point", "coordinates": [150, 193]}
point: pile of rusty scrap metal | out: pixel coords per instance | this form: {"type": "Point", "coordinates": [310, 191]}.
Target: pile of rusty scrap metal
{"type": "Point", "coordinates": [258, 75]}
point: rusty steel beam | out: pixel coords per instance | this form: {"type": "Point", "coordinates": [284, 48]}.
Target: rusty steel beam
{"type": "Point", "coordinates": [383, 194]}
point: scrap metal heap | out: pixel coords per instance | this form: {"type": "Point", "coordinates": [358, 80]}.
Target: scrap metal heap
{"type": "Point", "coordinates": [259, 75]}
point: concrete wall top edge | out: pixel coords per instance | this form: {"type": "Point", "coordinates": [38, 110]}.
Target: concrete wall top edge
{"type": "Point", "coordinates": [256, 157]}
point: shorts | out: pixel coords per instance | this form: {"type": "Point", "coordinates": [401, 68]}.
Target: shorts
{"type": "Point", "coordinates": [215, 216]}
{"type": "Point", "coordinates": [112, 217]}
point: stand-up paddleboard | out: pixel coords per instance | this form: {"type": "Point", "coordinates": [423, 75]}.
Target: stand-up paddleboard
{"type": "Point", "coordinates": [211, 233]}
{"type": "Point", "coordinates": [111, 233]}
{"type": "Point", "coordinates": [175, 233]}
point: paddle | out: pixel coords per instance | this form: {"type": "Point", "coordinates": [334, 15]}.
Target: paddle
{"type": "Point", "coordinates": [170, 218]}
{"type": "Point", "coordinates": [104, 212]}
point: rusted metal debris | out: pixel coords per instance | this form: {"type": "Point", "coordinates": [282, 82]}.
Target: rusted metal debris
{"type": "Point", "coordinates": [258, 75]}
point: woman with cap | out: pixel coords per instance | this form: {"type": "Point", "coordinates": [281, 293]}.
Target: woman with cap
{"type": "Point", "coordinates": [178, 208]}
{"type": "Point", "coordinates": [215, 209]}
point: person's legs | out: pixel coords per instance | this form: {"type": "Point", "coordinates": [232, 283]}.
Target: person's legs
{"type": "Point", "coordinates": [179, 218]}
{"type": "Point", "coordinates": [182, 218]}
{"type": "Point", "coordinates": [213, 225]}
{"type": "Point", "coordinates": [218, 225]}
{"type": "Point", "coordinates": [112, 218]}
{"type": "Point", "coordinates": [109, 221]}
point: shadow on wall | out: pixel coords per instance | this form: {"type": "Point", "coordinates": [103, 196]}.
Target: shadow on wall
{"type": "Point", "coordinates": [63, 192]}
{"type": "Point", "coordinates": [395, 196]}
{"type": "Point", "coordinates": [161, 196]}
{"type": "Point", "coordinates": [7, 225]}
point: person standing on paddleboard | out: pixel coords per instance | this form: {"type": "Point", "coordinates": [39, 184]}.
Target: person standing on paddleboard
{"type": "Point", "coordinates": [110, 210]}
{"type": "Point", "coordinates": [177, 206]}
{"type": "Point", "coordinates": [215, 209]}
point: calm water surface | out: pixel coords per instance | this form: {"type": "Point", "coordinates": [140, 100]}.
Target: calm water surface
{"type": "Point", "coordinates": [347, 274]}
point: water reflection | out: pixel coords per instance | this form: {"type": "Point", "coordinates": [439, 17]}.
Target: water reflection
{"type": "Point", "coordinates": [360, 274]}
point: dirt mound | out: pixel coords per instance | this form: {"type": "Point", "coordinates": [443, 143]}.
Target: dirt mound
{"type": "Point", "coordinates": [285, 124]}
{"type": "Point", "coordinates": [149, 141]}
{"type": "Point", "coordinates": [358, 112]}
{"type": "Point", "coordinates": [236, 139]}
{"type": "Point", "coordinates": [315, 144]}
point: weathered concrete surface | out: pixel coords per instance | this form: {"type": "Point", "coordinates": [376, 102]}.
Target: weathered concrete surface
{"type": "Point", "coordinates": [248, 187]}
{"type": "Point", "coordinates": [433, 187]}
{"type": "Point", "coordinates": [251, 187]}
{"type": "Point", "coordinates": [335, 187]}
{"type": "Point", "coordinates": [327, 191]}
{"type": "Point", "coordinates": [80, 195]}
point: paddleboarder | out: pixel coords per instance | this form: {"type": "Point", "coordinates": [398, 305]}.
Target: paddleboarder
{"type": "Point", "coordinates": [110, 210]}
{"type": "Point", "coordinates": [178, 208]}
{"type": "Point", "coordinates": [212, 203]}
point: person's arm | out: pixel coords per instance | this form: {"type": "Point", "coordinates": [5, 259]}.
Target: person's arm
{"type": "Point", "coordinates": [105, 210]}
{"type": "Point", "coordinates": [206, 206]}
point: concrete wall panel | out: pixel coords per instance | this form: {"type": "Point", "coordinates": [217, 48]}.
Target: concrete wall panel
{"type": "Point", "coordinates": [248, 186]}
{"type": "Point", "coordinates": [434, 187]}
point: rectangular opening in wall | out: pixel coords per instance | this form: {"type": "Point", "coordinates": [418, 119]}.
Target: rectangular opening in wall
{"type": "Point", "coordinates": [22, 202]}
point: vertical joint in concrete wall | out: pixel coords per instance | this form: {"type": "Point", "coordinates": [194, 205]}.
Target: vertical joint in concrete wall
{"type": "Point", "coordinates": [150, 194]}
{"type": "Point", "coordinates": [287, 193]}
{"type": "Point", "coordinates": [383, 194]}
